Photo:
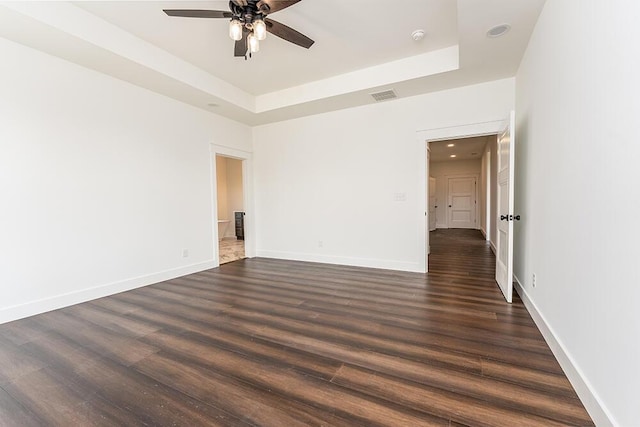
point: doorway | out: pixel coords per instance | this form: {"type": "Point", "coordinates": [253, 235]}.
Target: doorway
{"type": "Point", "coordinates": [462, 198]}
{"type": "Point", "coordinates": [231, 202]}
{"type": "Point", "coordinates": [426, 139]}
{"type": "Point", "coordinates": [456, 167]}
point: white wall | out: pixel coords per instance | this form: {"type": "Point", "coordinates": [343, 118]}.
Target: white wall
{"type": "Point", "coordinates": [576, 179]}
{"type": "Point", "coordinates": [326, 185]}
{"type": "Point", "coordinates": [441, 171]}
{"type": "Point", "coordinates": [102, 183]}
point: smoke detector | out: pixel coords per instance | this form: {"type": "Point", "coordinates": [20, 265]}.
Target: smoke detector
{"type": "Point", "coordinates": [417, 35]}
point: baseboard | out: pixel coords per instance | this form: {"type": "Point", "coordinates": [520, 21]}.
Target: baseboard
{"type": "Point", "coordinates": [493, 247]}
{"type": "Point", "coordinates": [355, 262]}
{"type": "Point", "coordinates": [593, 404]}
{"type": "Point", "coordinates": [32, 308]}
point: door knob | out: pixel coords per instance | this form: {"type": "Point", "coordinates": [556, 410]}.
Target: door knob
{"type": "Point", "coordinates": [449, 205]}
{"type": "Point", "coordinates": [517, 217]}
{"type": "Point", "coordinates": [503, 217]}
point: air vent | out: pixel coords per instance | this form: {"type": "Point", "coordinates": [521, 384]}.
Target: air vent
{"type": "Point", "coordinates": [384, 95]}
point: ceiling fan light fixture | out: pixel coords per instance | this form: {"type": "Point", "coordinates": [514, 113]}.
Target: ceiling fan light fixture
{"type": "Point", "coordinates": [260, 29]}
{"type": "Point", "coordinates": [235, 29]}
{"type": "Point", "coordinates": [254, 43]}
{"type": "Point", "coordinates": [248, 24]}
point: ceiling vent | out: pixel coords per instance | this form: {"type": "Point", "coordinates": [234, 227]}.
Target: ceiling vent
{"type": "Point", "coordinates": [384, 95]}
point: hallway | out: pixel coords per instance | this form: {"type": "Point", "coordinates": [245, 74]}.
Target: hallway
{"type": "Point", "coordinates": [461, 252]}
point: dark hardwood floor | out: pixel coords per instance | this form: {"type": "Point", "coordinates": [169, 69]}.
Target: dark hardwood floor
{"type": "Point", "coordinates": [283, 343]}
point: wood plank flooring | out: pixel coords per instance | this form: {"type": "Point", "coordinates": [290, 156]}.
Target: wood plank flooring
{"type": "Point", "coordinates": [283, 343]}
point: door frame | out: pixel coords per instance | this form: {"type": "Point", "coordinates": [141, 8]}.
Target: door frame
{"type": "Point", "coordinates": [476, 212]}
{"type": "Point", "coordinates": [487, 189]}
{"type": "Point", "coordinates": [247, 197]}
{"type": "Point", "coordinates": [423, 137]}
{"type": "Point", "coordinates": [430, 195]}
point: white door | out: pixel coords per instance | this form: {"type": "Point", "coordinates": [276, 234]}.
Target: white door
{"type": "Point", "coordinates": [462, 202]}
{"type": "Point", "coordinates": [504, 247]}
{"type": "Point", "coordinates": [432, 203]}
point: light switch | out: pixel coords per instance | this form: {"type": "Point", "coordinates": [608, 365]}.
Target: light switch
{"type": "Point", "coordinates": [399, 197]}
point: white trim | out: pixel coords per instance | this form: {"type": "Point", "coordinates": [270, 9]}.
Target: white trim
{"type": "Point", "coordinates": [493, 247]}
{"type": "Point", "coordinates": [488, 200]}
{"type": "Point", "coordinates": [488, 240]}
{"type": "Point", "coordinates": [461, 131]}
{"type": "Point", "coordinates": [32, 308]}
{"type": "Point", "coordinates": [422, 152]}
{"type": "Point", "coordinates": [593, 404]}
{"type": "Point", "coordinates": [413, 267]}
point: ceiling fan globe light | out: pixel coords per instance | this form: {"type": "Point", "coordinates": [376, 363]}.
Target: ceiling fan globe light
{"type": "Point", "coordinates": [254, 44]}
{"type": "Point", "coordinates": [260, 29]}
{"type": "Point", "coordinates": [235, 30]}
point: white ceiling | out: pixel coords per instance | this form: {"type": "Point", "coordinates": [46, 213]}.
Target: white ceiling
{"type": "Point", "coordinates": [463, 148]}
{"type": "Point", "coordinates": [361, 46]}
{"type": "Point", "coordinates": [339, 45]}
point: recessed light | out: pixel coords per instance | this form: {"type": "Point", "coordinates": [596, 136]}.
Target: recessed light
{"type": "Point", "coordinates": [498, 30]}
{"type": "Point", "coordinates": [451, 145]}
{"type": "Point", "coordinates": [453, 156]}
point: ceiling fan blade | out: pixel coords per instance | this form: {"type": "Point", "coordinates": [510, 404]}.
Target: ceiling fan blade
{"type": "Point", "coordinates": [270, 6]}
{"type": "Point", "coordinates": [240, 48]}
{"type": "Point", "coordinates": [288, 33]}
{"type": "Point", "coordinates": [198, 13]}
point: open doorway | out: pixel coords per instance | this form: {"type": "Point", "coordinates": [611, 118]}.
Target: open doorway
{"type": "Point", "coordinates": [462, 188]}
{"type": "Point", "coordinates": [230, 209]}
{"type": "Point", "coordinates": [423, 139]}
{"type": "Point", "coordinates": [498, 193]}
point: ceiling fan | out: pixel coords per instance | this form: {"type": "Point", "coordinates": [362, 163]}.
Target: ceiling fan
{"type": "Point", "coordinates": [249, 23]}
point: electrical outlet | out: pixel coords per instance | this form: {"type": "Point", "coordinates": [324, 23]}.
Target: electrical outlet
{"type": "Point", "coordinates": [533, 280]}
{"type": "Point", "coordinates": [185, 253]}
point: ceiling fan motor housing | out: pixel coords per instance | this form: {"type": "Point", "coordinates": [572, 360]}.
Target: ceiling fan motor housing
{"type": "Point", "coordinates": [249, 11]}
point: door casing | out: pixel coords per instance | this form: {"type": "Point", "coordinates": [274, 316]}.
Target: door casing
{"type": "Point", "coordinates": [423, 137]}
